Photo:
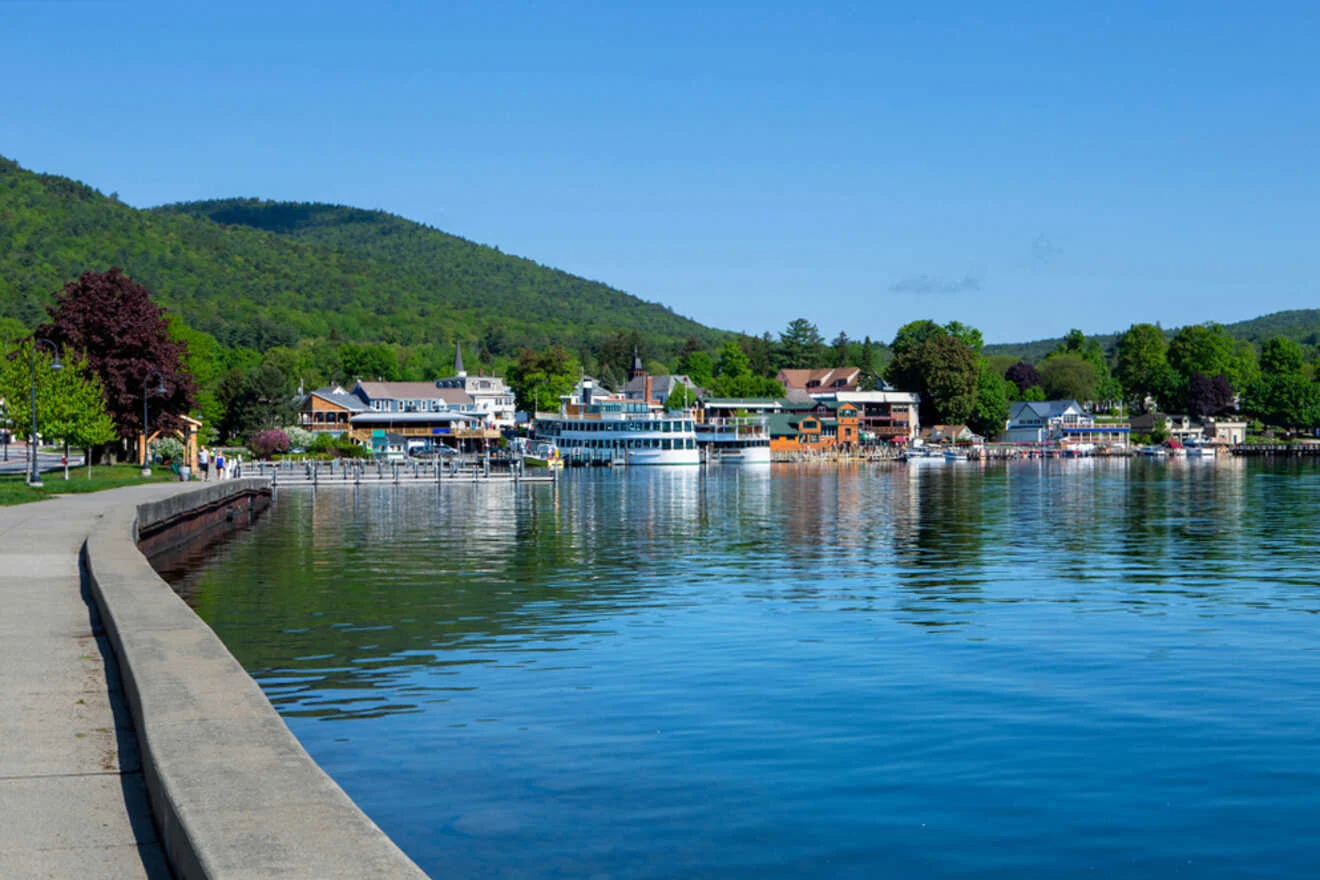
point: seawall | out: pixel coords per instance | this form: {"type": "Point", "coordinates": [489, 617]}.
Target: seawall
{"type": "Point", "coordinates": [233, 794]}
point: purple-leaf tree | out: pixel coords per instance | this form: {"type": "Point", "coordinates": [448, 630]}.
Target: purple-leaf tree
{"type": "Point", "coordinates": [1208, 397]}
{"type": "Point", "coordinates": [267, 443]}
{"type": "Point", "coordinates": [1023, 375]}
{"type": "Point", "coordinates": [124, 334]}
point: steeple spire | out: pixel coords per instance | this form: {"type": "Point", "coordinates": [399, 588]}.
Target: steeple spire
{"type": "Point", "coordinates": [637, 368]}
{"type": "Point", "coordinates": [458, 361]}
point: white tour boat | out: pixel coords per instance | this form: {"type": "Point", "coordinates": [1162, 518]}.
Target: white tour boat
{"type": "Point", "coordinates": [735, 440]}
{"type": "Point", "coordinates": [613, 431]}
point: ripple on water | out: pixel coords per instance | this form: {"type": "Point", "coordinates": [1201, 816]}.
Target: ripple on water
{"type": "Point", "coordinates": [1029, 670]}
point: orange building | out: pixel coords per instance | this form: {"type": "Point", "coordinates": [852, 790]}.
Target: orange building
{"type": "Point", "coordinates": [827, 425]}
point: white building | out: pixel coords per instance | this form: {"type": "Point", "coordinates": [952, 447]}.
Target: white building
{"type": "Point", "coordinates": [1054, 421]}
{"type": "Point", "coordinates": [490, 396]}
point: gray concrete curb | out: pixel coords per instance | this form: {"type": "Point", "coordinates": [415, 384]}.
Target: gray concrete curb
{"type": "Point", "coordinates": [233, 793]}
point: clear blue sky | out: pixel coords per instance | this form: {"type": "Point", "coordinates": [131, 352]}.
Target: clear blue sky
{"type": "Point", "coordinates": [1025, 168]}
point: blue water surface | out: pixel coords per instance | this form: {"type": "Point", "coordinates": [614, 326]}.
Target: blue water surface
{"type": "Point", "coordinates": [1040, 669]}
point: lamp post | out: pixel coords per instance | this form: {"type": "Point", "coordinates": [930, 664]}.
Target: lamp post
{"type": "Point", "coordinates": [160, 390]}
{"type": "Point", "coordinates": [34, 476]}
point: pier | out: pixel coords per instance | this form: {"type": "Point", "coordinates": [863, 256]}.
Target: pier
{"type": "Point", "coordinates": [473, 469]}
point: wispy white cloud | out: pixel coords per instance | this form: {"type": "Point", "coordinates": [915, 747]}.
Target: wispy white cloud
{"type": "Point", "coordinates": [931, 285]}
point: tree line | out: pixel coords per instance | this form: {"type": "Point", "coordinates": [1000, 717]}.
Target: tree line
{"type": "Point", "coordinates": [119, 344]}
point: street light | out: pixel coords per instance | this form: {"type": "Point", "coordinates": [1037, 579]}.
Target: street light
{"type": "Point", "coordinates": [161, 391]}
{"type": "Point", "coordinates": [34, 477]}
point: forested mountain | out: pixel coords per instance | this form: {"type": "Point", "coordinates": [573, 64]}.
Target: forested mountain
{"type": "Point", "coordinates": [260, 274]}
{"type": "Point", "coordinates": [1299, 325]}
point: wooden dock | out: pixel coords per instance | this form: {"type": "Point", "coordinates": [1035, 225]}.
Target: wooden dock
{"type": "Point", "coordinates": [1287, 450]}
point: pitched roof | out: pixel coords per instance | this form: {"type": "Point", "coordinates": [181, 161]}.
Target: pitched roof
{"type": "Point", "coordinates": [661, 386]}
{"type": "Point", "coordinates": [824, 378]}
{"type": "Point", "coordinates": [412, 391]}
{"type": "Point", "coordinates": [339, 397]}
{"type": "Point", "coordinates": [1046, 409]}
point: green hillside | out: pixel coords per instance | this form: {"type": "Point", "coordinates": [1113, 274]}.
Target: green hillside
{"type": "Point", "coordinates": [261, 274]}
{"type": "Point", "coordinates": [1299, 325]}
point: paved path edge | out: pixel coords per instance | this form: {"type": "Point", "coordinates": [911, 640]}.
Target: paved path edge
{"type": "Point", "coordinates": [233, 793]}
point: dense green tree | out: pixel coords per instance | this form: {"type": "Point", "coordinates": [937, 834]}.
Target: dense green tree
{"type": "Point", "coordinates": [801, 345]}
{"type": "Point", "coordinates": [378, 362]}
{"type": "Point", "coordinates": [994, 394]}
{"type": "Point", "coordinates": [70, 401]}
{"type": "Point", "coordinates": [950, 376]}
{"type": "Point", "coordinates": [943, 368]}
{"type": "Point", "coordinates": [745, 385]}
{"type": "Point", "coordinates": [1143, 365]}
{"type": "Point", "coordinates": [1281, 356]}
{"type": "Point", "coordinates": [1001, 363]}
{"type": "Point", "coordinates": [1069, 377]}
{"type": "Point", "coordinates": [540, 378]}
{"type": "Point", "coordinates": [1203, 348]}
{"type": "Point", "coordinates": [1282, 394]}
{"type": "Point", "coordinates": [682, 397]}
{"type": "Point", "coordinates": [733, 361]}
{"type": "Point", "coordinates": [760, 351]}
{"type": "Point", "coordinates": [841, 350]}
{"type": "Point", "coordinates": [914, 333]}
{"type": "Point", "coordinates": [697, 366]}
{"type": "Point", "coordinates": [866, 363]}
{"type": "Point", "coordinates": [969, 335]}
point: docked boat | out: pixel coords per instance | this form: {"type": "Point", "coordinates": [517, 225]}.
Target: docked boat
{"type": "Point", "coordinates": [735, 440]}
{"type": "Point", "coordinates": [614, 431]}
{"type": "Point", "coordinates": [922, 455]}
{"type": "Point", "coordinates": [544, 455]}
{"type": "Point", "coordinates": [1152, 451]}
{"type": "Point", "coordinates": [1202, 450]}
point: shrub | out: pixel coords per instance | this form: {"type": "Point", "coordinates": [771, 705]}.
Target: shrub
{"type": "Point", "coordinates": [166, 449]}
{"type": "Point", "coordinates": [268, 443]}
{"type": "Point", "coordinates": [300, 439]}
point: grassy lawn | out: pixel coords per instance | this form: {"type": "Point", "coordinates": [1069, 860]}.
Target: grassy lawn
{"type": "Point", "coordinates": [14, 489]}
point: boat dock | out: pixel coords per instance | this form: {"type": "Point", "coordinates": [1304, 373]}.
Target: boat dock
{"type": "Point", "coordinates": [441, 472]}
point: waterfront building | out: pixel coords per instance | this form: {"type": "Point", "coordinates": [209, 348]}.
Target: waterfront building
{"type": "Point", "coordinates": [462, 431]}
{"type": "Point", "coordinates": [885, 415]}
{"type": "Point", "coordinates": [812, 430]}
{"type": "Point", "coordinates": [814, 383]}
{"type": "Point", "coordinates": [489, 394]}
{"type": "Point", "coordinates": [950, 434]}
{"type": "Point", "coordinates": [1060, 421]}
{"type": "Point", "coordinates": [1185, 429]}
{"type": "Point", "coordinates": [329, 409]}
{"type": "Point", "coordinates": [413, 397]}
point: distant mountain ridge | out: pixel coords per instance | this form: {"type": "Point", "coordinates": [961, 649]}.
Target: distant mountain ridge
{"type": "Point", "coordinates": [1299, 325]}
{"type": "Point", "coordinates": [259, 274]}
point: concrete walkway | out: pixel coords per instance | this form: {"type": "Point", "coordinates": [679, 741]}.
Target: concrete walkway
{"type": "Point", "coordinates": [72, 798]}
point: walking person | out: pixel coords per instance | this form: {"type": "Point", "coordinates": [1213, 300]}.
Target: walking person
{"type": "Point", "coordinates": [204, 462]}
{"type": "Point", "coordinates": [219, 464]}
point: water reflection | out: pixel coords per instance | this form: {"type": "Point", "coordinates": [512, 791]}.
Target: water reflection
{"type": "Point", "coordinates": [824, 653]}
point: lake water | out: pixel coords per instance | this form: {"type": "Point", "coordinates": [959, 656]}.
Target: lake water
{"type": "Point", "coordinates": [1042, 669]}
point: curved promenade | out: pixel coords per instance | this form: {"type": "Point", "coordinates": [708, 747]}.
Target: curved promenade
{"type": "Point", "coordinates": [232, 794]}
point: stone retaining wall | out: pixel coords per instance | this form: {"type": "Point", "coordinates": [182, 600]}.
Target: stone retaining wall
{"type": "Point", "coordinates": [233, 793]}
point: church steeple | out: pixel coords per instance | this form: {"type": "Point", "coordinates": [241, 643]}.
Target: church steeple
{"type": "Point", "coordinates": [458, 361]}
{"type": "Point", "coordinates": [637, 368]}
